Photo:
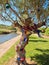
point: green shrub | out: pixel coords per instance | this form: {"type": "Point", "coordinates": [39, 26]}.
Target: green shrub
{"type": "Point", "coordinates": [47, 31]}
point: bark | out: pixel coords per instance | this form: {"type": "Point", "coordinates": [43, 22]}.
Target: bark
{"type": "Point", "coordinates": [41, 24]}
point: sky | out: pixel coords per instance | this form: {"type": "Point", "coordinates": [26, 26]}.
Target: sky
{"type": "Point", "coordinates": [5, 23]}
{"type": "Point", "coordinates": [46, 4]}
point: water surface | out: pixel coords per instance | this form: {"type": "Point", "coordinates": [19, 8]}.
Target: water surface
{"type": "Point", "coordinates": [5, 37]}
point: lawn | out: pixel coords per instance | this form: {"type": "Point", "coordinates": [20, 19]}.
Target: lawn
{"type": "Point", "coordinates": [8, 55]}
{"type": "Point", "coordinates": [38, 50]}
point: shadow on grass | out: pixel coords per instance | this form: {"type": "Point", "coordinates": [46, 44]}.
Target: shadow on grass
{"type": "Point", "coordinates": [42, 50]}
{"type": "Point", "coordinates": [37, 40]}
{"type": "Point", "coordinates": [41, 59]}
{"type": "Point", "coordinates": [33, 37]}
{"type": "Point", "coordinates": [31, 64]}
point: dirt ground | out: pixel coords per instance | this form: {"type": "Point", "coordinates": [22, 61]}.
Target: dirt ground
{"type": "Point", "coordinates": [13, 62]}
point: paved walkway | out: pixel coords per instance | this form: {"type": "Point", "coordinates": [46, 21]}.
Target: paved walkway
{"type": "Point", "coordinates": [6, 45]}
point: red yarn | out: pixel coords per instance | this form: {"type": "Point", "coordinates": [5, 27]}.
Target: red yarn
{"type": "Point", "coordinates": [22, 59]}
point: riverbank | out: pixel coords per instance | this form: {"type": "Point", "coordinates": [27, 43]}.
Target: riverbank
{"type": "Point", "coordinates": [6, 45]}
{"type": "Point", "coordinates": [6, 31]}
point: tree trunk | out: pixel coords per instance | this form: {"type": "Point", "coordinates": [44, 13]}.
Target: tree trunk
{"type": "Point", "coordinates": [20, 49]}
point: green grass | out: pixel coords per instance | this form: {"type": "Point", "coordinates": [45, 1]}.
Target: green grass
{"type": "Point", "coordinates": [47, 32]}
{"type": "Point", "coordinates": [38, 50]}
{"type": "Point", "coordinates": [8, 55]}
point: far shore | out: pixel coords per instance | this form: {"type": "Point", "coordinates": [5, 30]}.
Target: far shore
{"type": "Point", "coordinates": [4, 33]}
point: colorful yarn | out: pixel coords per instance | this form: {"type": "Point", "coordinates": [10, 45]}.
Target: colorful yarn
{"type": "Point", "coordinates": [25, 39]}
{"type": "Point", "coordinates": [7, 5]}
{"type": "Point", "coordinates": [21, 49]}
{"type": "Point", "coordinates": [22, 59]}
{"type": "Point", "coordinates": [18, 59]}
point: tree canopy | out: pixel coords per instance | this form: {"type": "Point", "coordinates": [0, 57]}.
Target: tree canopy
{"type": "Point", "coordinates": [38, 10]}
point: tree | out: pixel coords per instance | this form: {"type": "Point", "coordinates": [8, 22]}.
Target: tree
{"type": "Point", "coordinates": [24, 11]}
{"type": "Point", "coordinates": [35, 7]}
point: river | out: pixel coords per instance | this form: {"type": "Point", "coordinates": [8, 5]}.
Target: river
{"type": "Point", "coordinates": [5, 37]}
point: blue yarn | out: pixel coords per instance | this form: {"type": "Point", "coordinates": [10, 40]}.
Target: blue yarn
{"type": "Point", "coordinates": [18, 59]}
{"type": "Point", "coordinates": [38, 32]}
{"type": "Point", "coordinates": [22, 62]}
{"type": "Point", "coordinates": [25, 39]}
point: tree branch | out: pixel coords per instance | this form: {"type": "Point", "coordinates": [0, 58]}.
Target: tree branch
{"type": "Point", "coordinates": [16, 24]}
{"type": "Point", "coordinates": [3, 17]}
{"type": "Point", "coordinates": [9, 17]}
{"type": "Point", "coordinates": [16, 14]}
{"type": "Point", "coordinates": [41, 24]}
